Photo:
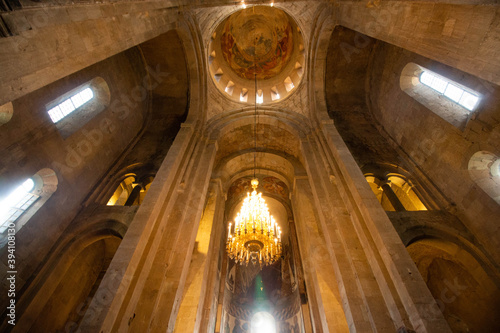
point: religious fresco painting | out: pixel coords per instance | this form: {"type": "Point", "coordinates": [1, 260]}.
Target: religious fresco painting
{"type": "Point", "coordinates": [259, 45]}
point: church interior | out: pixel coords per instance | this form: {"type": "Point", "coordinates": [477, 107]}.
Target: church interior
{"type": "Point", "coordinates": [131, 133]}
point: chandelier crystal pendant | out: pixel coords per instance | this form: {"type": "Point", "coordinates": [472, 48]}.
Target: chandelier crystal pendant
{"type": "Point", "coordinates": [256, 237]}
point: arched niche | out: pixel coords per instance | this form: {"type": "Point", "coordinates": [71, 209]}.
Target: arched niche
{"type": "Point", "coordinates": [403, 188]}
{"type": "Point", "coordinates": [130, 191]}
{"type": "Point", "coordinates": [484, 170]}
{"type": "Point", "coordinates": [394, 191]}
{"type": "Point", "coordinates": [6, 112]}
{"type": "Point", "coordinates": [466, 295]}
{"type": "Point", "coordinates": [69, 278]}
{"type": "Point", "coordinates": [65, 306]}
{"type": "Point", "coordinates": [123, 191]}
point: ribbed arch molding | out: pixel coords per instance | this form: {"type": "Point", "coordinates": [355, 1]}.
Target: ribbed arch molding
{"type": "Point", "coordinates": [291, 121]}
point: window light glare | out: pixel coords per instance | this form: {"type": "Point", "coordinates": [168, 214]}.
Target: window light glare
{"type": "Point", "coordinates": [468, 100]}
{"type": "Point", "coordinates": [28, 185]}
{"type": "Point", "coordinates": [77, 100]}
{"type": "Point", "coordinates": [453, 92]}
{"type": "Point", "coordinates": [263, 322]}
{"type": "Point", "coordinates": [16, 203]}
{"type": "Point", "coordinates": [260, 98]}
{"type": "Point", "coordinates": [56, 114]}
{"type": "Point", "coordinates": [438, 84]}
{"type": "Point", "coordinates": [426, 78]}
{"type": "Point", "coordinates": [71, 104]}
{"type": "Point", "coordinates": [67, 107]}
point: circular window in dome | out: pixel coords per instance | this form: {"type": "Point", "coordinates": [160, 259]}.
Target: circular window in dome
{"type": "Point", "coordinates": [256, 55]}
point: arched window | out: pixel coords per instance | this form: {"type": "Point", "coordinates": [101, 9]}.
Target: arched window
{"type": "Point", "coordinates": [18, 205]}
{"type": "Point", "coordinates": [259, 97]}
{"type": "Point", "coordinates": [403, 189]}
{"type": "Point", "coordinates": [72, 110]}
{"type": "Point", "coordinates": [122, 192]}
{"type": "Point", "coordinates": [448, 99]}
{"type": "Point", "coordinates": [484, 170]}
{"type": "Point", "coordinates": [395, 192]}
{"type": "Point", "coordinates": [130, 191]}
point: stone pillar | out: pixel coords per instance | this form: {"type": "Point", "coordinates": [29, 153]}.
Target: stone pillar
{"type": "Point", "coordinates": [145, 281]}
{"type": "Point", "coordinates": [209, 296]}
{"type": "Point", "coordinates": [198, 309]}
{"type": "Point", "coordinates": [324, 300]}
{"type": "Point", "coordinates": [393, 198]}
{"type": "Point", "coordinates": [299, 275]}
{"type": "Point", "coordinates": [376, 252]}
{"type": "Point", "coordinates": [133, 196]}
{"type": "Point", "coordinates": [361, 297]}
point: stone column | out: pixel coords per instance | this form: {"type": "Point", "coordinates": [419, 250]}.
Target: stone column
{"type": "Point", "coordinates": [207, 309]}
{"type": "Point", "coordinates": [361, 297]}
{"type": "Point", "coordinates": [311, 251]}
{"type": "Point", "coordinates": [134, 195]}
{"type": "Point", "coordinates": [144, 284]}
{"type": "Point", "coordinates": [299, 275]}
{"type": "Point", "coordinates": [198, 309]}
{"type": "Point", "coordinates": [393, 198]}
{"type": "Point", "coordinates": [404, 293]}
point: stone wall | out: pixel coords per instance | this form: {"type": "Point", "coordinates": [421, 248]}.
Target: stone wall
{"type": "Point", "coordinates": [439, 149]}
{"type": "Point", "coordinates": [30, 142]}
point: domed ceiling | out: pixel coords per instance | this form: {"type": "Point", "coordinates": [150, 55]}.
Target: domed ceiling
{"type": "Point", "coordinates": [257, 40]}
{"type": "Point", "coordinates": [260, 42]}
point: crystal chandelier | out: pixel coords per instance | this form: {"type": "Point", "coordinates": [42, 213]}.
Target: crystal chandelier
{"type": "Point", "coordinates": [256, 237]}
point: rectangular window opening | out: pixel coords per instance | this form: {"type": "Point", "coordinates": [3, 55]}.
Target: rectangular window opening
{"type": "Point", "coordinates": [71, 104]}
{"type": "Point", "coordinates": [452, 91]}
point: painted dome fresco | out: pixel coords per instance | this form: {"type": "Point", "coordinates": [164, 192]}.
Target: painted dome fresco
{"type": "Point", "coordinates": [257, 40]}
